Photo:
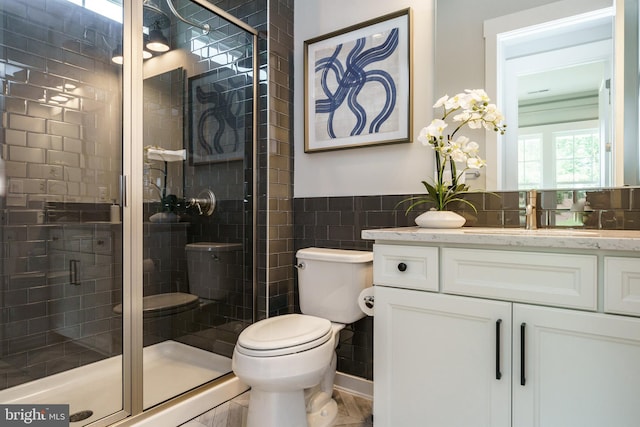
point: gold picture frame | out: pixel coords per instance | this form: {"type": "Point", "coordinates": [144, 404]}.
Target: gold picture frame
{"type": "Point", "coordinates": [357, 88]}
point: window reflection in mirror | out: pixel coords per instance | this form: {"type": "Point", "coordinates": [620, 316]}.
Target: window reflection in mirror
{"type": "Point", "coordinates": [557, 97]}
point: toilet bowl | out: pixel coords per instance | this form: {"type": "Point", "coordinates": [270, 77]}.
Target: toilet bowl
{"type": "Point", "coordinates": [289, 360]}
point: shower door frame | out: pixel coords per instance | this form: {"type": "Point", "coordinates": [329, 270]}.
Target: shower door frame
{"type": "Point", "coordinates": [132, 207]}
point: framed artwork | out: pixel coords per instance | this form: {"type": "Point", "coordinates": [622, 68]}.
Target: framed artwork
{"type": "Point", "coordinates": [358, 85]}
{"type": "Point", "coordinates": [217, 117]}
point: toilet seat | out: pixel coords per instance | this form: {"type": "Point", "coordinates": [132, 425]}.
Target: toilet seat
{"type": "Point", "coordinates": [282, 335]}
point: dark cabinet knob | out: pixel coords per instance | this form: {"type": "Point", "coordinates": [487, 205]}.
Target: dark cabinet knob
{"type": "Point", "coordinates": [402, 266]}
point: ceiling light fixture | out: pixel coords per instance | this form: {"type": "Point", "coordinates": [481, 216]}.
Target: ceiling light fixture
{"type": "Point", "coordinates": [157, 41]}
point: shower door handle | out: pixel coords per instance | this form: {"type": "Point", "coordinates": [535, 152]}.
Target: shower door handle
{"type": "Point", "coordinates": [123, 191]}
{"type": "Point", "coordinates": [73, 272]}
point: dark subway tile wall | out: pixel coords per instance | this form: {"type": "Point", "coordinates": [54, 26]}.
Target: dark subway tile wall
{"type": "Point", "coordinates": [60, 124]}
{"type": "Point", "coordinates": [275, 216]}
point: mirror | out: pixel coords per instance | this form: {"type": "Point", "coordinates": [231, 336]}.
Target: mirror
{"type": "Point", "coordinates": [557, 88]}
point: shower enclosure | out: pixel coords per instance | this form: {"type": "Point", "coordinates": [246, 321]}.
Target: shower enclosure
{"type": "Point", "coordinates": [128, 132]}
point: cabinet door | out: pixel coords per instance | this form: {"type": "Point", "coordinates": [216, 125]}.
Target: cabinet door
{"type": "Point", "coordinates": [580, 369]}
{"type": "Point", "coordinates": [441, 360]}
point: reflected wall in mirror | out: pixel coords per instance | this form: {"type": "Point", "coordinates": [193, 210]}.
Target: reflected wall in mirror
{"type": "Point", "coordinates": [549, 65]}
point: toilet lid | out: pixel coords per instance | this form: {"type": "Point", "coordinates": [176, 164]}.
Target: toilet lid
{"type": "Point", "coordinates": [286, 334]}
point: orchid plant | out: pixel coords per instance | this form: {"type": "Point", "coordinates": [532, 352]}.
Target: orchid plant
{"type": "Point", "coordinates": [455, 154]}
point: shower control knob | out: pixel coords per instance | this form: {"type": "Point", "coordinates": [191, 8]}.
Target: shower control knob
{"type": "Point", "coordinates": [402, 266]}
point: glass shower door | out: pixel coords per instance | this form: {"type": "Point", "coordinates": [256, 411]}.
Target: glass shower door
{"type": "Point", "coordinates": [61, 236]}
{"type": "Point", "coordinates": [198, 207]}
{"type": "Point", "coordinates": [75, 264]}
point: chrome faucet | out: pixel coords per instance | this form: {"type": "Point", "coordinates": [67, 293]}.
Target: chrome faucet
{"type": "Point", "coordinates": [530, 213]}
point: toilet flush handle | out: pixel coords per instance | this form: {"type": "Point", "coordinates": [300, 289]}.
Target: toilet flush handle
{"type": "Point", "coordinates": [300, 266]}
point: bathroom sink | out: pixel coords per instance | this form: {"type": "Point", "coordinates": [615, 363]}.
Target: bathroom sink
{"type": "Point", "coordinates": [539, 232]}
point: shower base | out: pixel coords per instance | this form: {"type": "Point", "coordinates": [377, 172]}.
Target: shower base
{"type": "Point", "coordinates": [170, 368]}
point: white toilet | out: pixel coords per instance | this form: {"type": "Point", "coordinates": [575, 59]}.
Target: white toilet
{"type": "Point", "coordinates": [289, 361]}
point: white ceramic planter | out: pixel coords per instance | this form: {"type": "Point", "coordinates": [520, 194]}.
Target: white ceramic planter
{"type": "Point", "coordinates": [440, 219]}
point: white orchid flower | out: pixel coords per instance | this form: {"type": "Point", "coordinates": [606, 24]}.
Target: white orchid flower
{"type": "Point", "coordinates": [465, 101]}
{"type": "Point", "coordinates": [471, 148]}
{"type": "Point", "coordinates": [475, 123]}
{"type": "Point", "coordinates": [440, 102]}
{"type": "Point", "coordinates": [479, 96]}
{"type": "Point", "coordinates": [489, 125]}
{"type": "Point", "coordinates": [455, 101]}
{"type": "Point", "coordinates": [492, 114]}
{"type": "Point", "coordinates": [436, 128]}
{"type": "Point", "coordinates": [460, 142]}
{"type": "Point", "coordinates": [423, 136]}
{"type": "Point", "coordinates": [462, 117]}
{"type": "Point", "coordinates": [458, 155]}
{"type": "Point", "coordinates": [475, 163]}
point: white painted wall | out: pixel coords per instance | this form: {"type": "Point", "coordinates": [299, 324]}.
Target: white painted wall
{"type": "Point", "coordinates": [373, 170]}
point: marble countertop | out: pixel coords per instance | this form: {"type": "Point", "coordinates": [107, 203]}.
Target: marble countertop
{"type": "Point", "coordinates": [614, 240]}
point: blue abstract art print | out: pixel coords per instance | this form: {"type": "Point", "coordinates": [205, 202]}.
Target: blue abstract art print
{"type": "Point", "coordinates": [357, 88]}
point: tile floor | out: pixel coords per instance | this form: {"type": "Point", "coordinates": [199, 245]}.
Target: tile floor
{"type": "Point", "coordinates": [353, 411]}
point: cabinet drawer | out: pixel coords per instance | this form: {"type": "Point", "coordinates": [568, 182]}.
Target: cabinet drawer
{"type": "Point", "coordinates": [565, 280]}
{"type": "Point", "coordinates": [411, 267]}
{"type": "Point", "coordinates": [622, 285]}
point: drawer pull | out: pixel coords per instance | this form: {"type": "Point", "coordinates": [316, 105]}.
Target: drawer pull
{"type": "Point", "coordinates": [402, 266]}
{"type": "Point", "coordinates": [498, 373]}
{"type": "Point", "coordinates": [523, 378]}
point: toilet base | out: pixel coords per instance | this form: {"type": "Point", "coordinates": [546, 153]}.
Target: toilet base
{"type": "Point", "coordinates": [322, 410]}
{"type": "Point", "coordinates": [266, 409]}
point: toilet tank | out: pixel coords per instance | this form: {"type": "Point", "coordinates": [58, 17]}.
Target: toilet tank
{"type": "Point", "coordinates": [213, 268]}
{"type": "Point", "coordinates": [330, 281]}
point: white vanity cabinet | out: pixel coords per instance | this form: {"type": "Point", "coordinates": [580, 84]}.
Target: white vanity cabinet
{"type": "Point", "coordinates": [441, 360]}
{"type": "Point", "coordinates": [574, 368]}
{"type": "Point", "coordinates": [505, 332]}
